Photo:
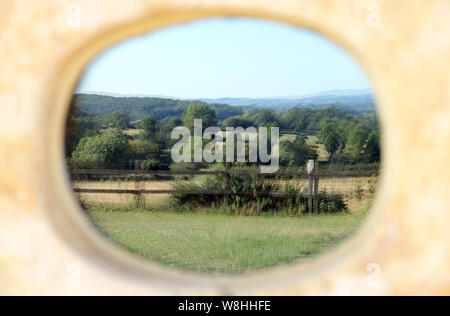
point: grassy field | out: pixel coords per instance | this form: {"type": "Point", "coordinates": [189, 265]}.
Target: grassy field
{"type": "Point", "coordinates": [216, 243]}
{"type": "Point", "coordinates": [213, 240]}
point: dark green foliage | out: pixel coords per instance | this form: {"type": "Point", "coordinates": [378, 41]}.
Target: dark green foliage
{"type": "Point", "coordinates": [297, 153]}
{"type": "Point", "coordinates": [238, 121]}
{"type": "Point", "coordinates": [267, 117]}
{"type": "Point", "coordinates": [117, 120]}
{"type": "Point", "coordinates": [150, 164]}
{"type": "Point", "coordinates": [258, 202]}
{"type": "Point", "coordinates": [158, 131]}
{"type": "Point", "coordinates": [79, 125]}
{"type": "Point", "coordinates": [357, 140]}
{"type": "Point", "coordinates": [101, 151]}
{"type": "Point", "coordinates": [372, 151]}
{"type": "Point", "coordinates": [225, 111]}
{"type": "Point", "coordinates": [149, 125]}
{"type": "Point", "coordinates": [198, 111]}
{"type": "Point", "coordinates": [330, 136]}
{"type": "Point", "coordinates": [332, 203]}
{"type": "Point", "coordinates": [307, 119]}
{"type": "Point", "coordinates": [137, 108]}
{"type": "Point", "coordinates": [190, 201]}
{"type": "Point", "coordinates": [352, 140]}
{"type": "Point", "coordinates": [143, 150]}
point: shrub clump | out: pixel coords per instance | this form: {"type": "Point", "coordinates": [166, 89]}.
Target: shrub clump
{"type": "Point", "coordinates": [256, 201]}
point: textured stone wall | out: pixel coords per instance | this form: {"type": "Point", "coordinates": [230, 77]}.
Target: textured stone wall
{"type": "Point", "coordinates": [46, 247]}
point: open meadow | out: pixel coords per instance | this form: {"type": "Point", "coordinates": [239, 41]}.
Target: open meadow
{"type": "Point", "coordinates": [214, 240]}
{"type": "Point", "coordinates": [221, 243]}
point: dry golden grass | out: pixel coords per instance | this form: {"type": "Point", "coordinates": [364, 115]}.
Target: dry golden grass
{"type": "Point", "coordinates": [133, 132]}
{"type": "Point", "coordinates": [324, 155]}
{"type": "Point", "coordinates": [122, 185]}
{"type": "Point", "coordinates": [289, 137]}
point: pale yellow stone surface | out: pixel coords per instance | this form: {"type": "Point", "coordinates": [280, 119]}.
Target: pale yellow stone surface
{"type": "Point", "coordinates": [43, 247]}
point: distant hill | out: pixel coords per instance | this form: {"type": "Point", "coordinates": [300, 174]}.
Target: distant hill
{"type": "Point", "coordinates": [139, 107]}
{"type": "Point", "coordinates": [355, 100]}
{"type": "Point", "coordinates": [350, 101]}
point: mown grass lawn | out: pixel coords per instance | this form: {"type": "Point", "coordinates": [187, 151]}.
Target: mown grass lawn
{"type": "Point", "coordinates": [223, 243]}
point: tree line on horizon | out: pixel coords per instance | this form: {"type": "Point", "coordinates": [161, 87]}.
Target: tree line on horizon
{"type": "Point", "coordinates": [97, 138]}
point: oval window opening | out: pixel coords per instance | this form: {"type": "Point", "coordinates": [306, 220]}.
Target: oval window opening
{"type": "Point", "coordinates": [224, 145]}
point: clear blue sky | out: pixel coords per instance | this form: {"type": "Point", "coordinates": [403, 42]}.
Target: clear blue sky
{"type": "Point", "coordinates": [224, 58]}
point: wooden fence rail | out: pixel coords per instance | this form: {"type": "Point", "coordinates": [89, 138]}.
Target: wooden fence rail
{"type": "Point", "coordinates": [204, 192]}
{"type": "Point", "coordinates": [182, 173]}
{"type": "Point", "coordinates": [212, 173]}
{"type": "Point", "coordinates": [312, 175]}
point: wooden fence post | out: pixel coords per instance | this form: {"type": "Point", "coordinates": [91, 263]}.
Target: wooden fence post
{"type": "Point", "coordinates": [228, 181]}
{"type": "Point", "coordinates": [226, 198]}
{"type": "Point", "coordinates": [137, 183]}
{"type": "Point", "coordinates": [310, 170]}
{"type": "Point", "coordinates": [316, 187]}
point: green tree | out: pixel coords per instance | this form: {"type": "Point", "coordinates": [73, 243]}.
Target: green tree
{"type": "Point", "coordinates": [296, 153]}
{"type": "Point", "coordinates": [150, 127]}
{"type": "Point", "coordinates": [372, 151]}
{"type": "Point", "coordinates": [172, 122]}
{"type": "Point", "coordinates": [164, 132]}
{"type": "Point", "coordinates": [329, 135]}
{"type": "Point", "coordinates": [238, 121]}
{"type": "Point", "coordinates": [117, 120]}
{"type": "Point", "coordinates": [297, 119]}
{"type": "Point", "coordinates": [159, 132]}
{"type": "Point", "coordinates": [79, 125]}
{"type": "Point", "coordinates": [198, 111]}
{"type": "Point", "coordinates": [144, 150]}
{"type": "Point", "coordinates": [267, 117]}
{"type": "Point", "coordinates": [150, 164]}
{"type": "Point", "coordinates": [357, 140]}
{"type": "Point", "coordinates": [101, 151]}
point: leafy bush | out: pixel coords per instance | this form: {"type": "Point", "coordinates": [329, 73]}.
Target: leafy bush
{"type": "Point", "coordinates": [101, 151]}
{"type": "Point", "coordinates": [256, 203]}
{"type": "Point", "coordinates": [332, 203]}
{"type": "Point", "coordinates": [194, 200]}
{"type": "Point", "coordinates": [150, 164]}
{"type": "Point", "coordinates": [296, 153]}
{"type": "Point", "coordinates": [142, 150]}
